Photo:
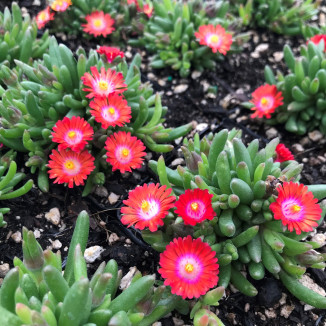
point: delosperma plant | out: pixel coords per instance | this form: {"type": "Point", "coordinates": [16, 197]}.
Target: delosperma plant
{"type": "Point", "coordinates": [9, 178]}
{"type": "Point", "coordinates": [38, 292]}
{"type": "Point", "coordinates": [88, 107]}
{"type": "Point", "coordinates": [281, 16]}
{"type": "Point", "coordinates": [177, 30]}
{"type": "Point", "coordinates": [18, 37]}
{"type": "Point", "coordinates": [246, 204]}
{"type": "Point", "coordinates": [297, 98]}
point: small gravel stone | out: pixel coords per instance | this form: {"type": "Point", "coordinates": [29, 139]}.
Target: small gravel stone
{"type": "Point", "coordinates": [309, 283]}
{"type": "Point", "coordinates": [93, 253]}
{"type": "Point", "coordinates": [254, 55]}
{"type": "Point", "coordinates": [319, 238]}
{"type": "Point", "coordinates": [196, 74]}
{"type": "Point", "coordinates": [262, 47]}
{"type": "Point", "coordinates": [283, 299]}
{"type": "Point", "coordinates": [180, 88]}
{"type": "Point", "coordinates": [315, 135]}
{"type": "Point", "coordinates": [161, 82]}
{"type": "Point", "coordinates": [201, 126]}
{"type": "Point", "coordinates": [305, 141]}
{"type": "Point", "coordinates": [150, 75]}
{"type": "Point", "coordinates": [17, 237]}
{"type": "Point", "coordinates": [178, 322]}
{"type": "Point", "coordinates": [158, 323]}
{"type": "Point", "coordinates": [4, 269]}
{"type": "Point", "coordinates": [101, 191]}
{"type": "Point", "coordinates": [56, 244]}
{"type": "Point", "coordinates": [53, 216]}
{"type": "Point", "coordinates": [37, 234]}
{"type": "Point", "coordinates": [297, 148]}
{"type": "Point", "coordinates": [278, 56]}
{"type": "Point", "coordinates": [270, 313]}
{"type": "Point", "coordinates": [37, 3]}
{"type": "Point", "coordinates": [247, 307]}
{"type": "Point", "coordinates": [113, 238]}
{"type": "Point", "coordinates": [178, 161]}
{"type": "Point", "coordinates": [286, 310]}
{"type": "Point", "coordinates": [126, 280]}
{"type": "Point", "coordinates": [271, 133]}
{"type": "Point", "coordinates": [113, 198]}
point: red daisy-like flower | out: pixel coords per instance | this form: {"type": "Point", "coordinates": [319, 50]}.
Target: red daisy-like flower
{"type": "Point", "coordinates": [266, 99]}
{"type": "Point", "coordinates": [124, 152]}
{"type": "Point", "coordinates": [148, 10]}
{"type": "Point", "coordinates": [111, 111]}
{"type": "Point", "coordinates": [283, 153]}
{"type": "Point", "coordinates": [110, 52]}
{"type": "Point", "coordinates": [43, 17]}
{"type": "Point", "coordinates": [98, 24]}
{"type": "Point", "coordinates": [195, 206]}
{"type": "Point", "coordinates": [189, 267]}
{"type": "Point", "coordinates": [103, 84]}
{"type": "Point", "coordinates": [70, 167]}
{"type": "Point", "coordinates": [214, 37]}
{"type": "Point", "coordinates": [146, 206]}
{"type": "Point", "coordinates": [60, 5]}
{"type": "Point", "coordinates": [317, 38]}
{"type": "Point", "coordinates": [296, 207]}
{"type": "Point", "coordinates": [72, 133]}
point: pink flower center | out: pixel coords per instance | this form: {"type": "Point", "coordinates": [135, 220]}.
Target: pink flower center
{"type": "Point", "coordinates": [266, 102]}
{"type": "Point", "coordinates": [109, 113]}
{"type": "Point", "coordinates": [103, 85]}
{"type": "Point", "coordinates": [214, 38]}
{"type": "Point", "coordinates": [123, 154]}
{"type": "Point", "coordinates": [195, 209]}
{"type": "Point", "coordinates": [189, 268]}
{"type": "Point", "coordinates": [98, 23]}
{"type": "Point", "coordinates": [292, 209]}
{"type": "Point", "coordinates": [71, 166]}
{"type": "Point", "coordinates": [73, 137]}
{"type": "Point", "coordinates": [148, 209]}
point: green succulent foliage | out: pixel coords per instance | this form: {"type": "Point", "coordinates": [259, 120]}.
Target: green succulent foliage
{"type": "Point", "coordinates": [280, 16]}
{"type": "Point", "coordinates": [169, 34]}
{"type": "Point", "coordinates": [126, 18]}
{"type": "Point", "coordinates": [52, 89]}
{"type": "Point", "coordinates": [18, 37]}
{"type": "Point", "coordinates": [303, 89]}
{"type": "Point", "coordinates": [244, 235]}
{"type": "Point", "coordinates": [37, 292]}
{"type": "Point", "coordinates": [9, 178]}
{"type": "Point", "coordinates": [309, 30]}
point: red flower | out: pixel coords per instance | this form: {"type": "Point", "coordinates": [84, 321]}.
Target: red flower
{"type": "Point", "coordinates": [104, 84]}
{"type": "Point", "coordinates": [283, 153]}
{"type": "Point", "coordinates": [110, 52]}
{"type": "Point", "coordinates": [266, 99]}
{"type": "Point", "coordinates": [146, 206]}
{"type": "Point", "coordinates": [43, 17]}
{"type": "Point", "coordinates": [60, 5]}
{"type": "Point", "coordinates": [296, 207]}
{"type": "Point", "coordinates": [124, 152]}
{"type": "Point", "coordinates": [189, 267]}
{"type": "Point", "coordinates": [148, 10]}
{"type": "Point", "coordinates": [195, 206]}
{"type": "Point", "coordinates": [214, 37]}
{"type": "Point", "coordinates": [72, 133]}
{"type": "Point", "coordinates": [111, 111]}
{"type": "Point", "coordinates": [98, 24]}
{"type": "Point", "coordinates": [317, 38]}
{"type": "Point", "coordinates": [70, 167]}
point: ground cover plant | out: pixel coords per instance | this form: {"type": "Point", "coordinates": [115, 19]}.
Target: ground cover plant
{"type": "Point", "coordinates": [226, 227]}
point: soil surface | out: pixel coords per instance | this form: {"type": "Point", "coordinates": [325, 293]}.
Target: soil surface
{"type": "Point", "coordinates": [233, 82]}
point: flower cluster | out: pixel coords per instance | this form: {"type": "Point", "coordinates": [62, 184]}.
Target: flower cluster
{"type": "Point", "coordinates": [72, 163]}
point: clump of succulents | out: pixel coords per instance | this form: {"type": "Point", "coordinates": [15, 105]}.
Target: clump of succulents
{"type": "Point", "coordinates": [172, 31]}
{"type": "Point", "coordinates": [298, 97]}
{"type": "Point", "coordinates": [18, 37]}
{"type": "Point", "coordinates": [9, 178]}
{"type": "Point", "coordinates": [38, 292]}
{"type": "Point", "coordinates": [246, 204]}
{"type": "Point", "coordinates": [281, 16]}
{"type": "Point", "coordinates": [49, 105]}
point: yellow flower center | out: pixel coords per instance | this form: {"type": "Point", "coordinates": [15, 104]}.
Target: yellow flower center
{"type": "Point", "coordinates": [43, 15]}
{"type": "Point", "coordinates": [125, 152]}
{"type": "Point", "coordinates": [111, 110]}
{"type": "Point", "coordinates": [145, 206]}
{"type": "Point", "coordinates": [98, 23]}
{"type": "Point", "coordinates": [296, 208]}
{"type": "Point", "coordinates": [70, 165]}
{"type": "Point", "coordinates": [264, 101]}
{"type": "Point", "coordinates": [194, 206]}
{"type": "Point", "coordinates": [189, 268]}
{"type": "Point", "coordinates": [103, 85]}
{"type": "Point", "coordinates": [71, 134]}
{"type": "Point", "coordinates": [214, 38]}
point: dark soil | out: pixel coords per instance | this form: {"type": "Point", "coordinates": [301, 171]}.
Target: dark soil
{"type": "Point", "coordinates": [234, 80]}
